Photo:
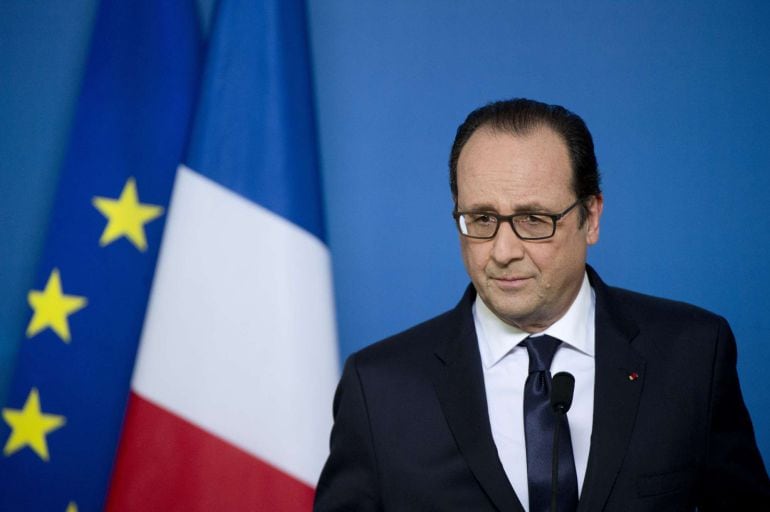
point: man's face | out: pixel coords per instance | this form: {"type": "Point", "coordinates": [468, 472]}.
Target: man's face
{"type": "Point", "coordinates": [528, 284]}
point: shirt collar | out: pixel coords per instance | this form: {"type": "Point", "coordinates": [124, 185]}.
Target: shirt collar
{"type": "Point", "coordinates": [575, 328]}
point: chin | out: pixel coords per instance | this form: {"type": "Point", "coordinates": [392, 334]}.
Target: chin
{"type": "Point", "coordinates": [511, 315]}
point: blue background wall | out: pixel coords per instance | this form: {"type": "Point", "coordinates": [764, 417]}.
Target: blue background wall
{"type": "Point", "coordinates": [675, 93]}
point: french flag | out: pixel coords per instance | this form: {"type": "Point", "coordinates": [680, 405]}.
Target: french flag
{"type": "Point", "coordinates": [230, 405]}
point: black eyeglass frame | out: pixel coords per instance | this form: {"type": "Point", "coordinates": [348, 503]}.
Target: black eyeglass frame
{"type": "Point", "coordinates": [555, 217]}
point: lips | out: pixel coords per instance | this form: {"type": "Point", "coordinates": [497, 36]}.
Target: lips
{"type": "Point", "coordinates": [510, 282]}
{"type": "Point", "coordinates": [509, 278]}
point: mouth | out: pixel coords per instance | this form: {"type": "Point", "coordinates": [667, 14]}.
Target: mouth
{"type": "Point", "coordinates": [510, 282]}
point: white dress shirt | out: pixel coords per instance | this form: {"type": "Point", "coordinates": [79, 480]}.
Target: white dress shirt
{"type": "Point", "coordinates": [506, 365]}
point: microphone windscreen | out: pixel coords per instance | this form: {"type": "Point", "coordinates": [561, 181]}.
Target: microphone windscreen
{"type": "Point", "coordinates": [562, 388]}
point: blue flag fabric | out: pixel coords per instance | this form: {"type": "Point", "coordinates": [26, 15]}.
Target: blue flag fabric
{"type": "Point", "coordinates": [61, 422]}
{"type": "Point", "coordinates": [255, 126]}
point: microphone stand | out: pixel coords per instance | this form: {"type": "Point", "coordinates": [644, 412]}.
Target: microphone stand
{"type": "Point", "coordinates": [559, 411]}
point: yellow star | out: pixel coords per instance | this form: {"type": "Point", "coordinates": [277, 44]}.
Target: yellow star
{"type": "Point", "coordinates": [72, 507]}
{"type": "Point", "coordinates": [29, 427]}
{"type": "Point", "coordinates": [52, 308]}
{"type": "Point", "coordinates": [126, 216]}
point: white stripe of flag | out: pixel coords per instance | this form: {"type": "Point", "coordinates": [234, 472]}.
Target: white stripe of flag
{"type": "Point", "coordinates": [239, 337]}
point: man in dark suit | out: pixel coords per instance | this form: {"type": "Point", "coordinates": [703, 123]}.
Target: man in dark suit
{"type": "Point", "coordinates": [454, 413]}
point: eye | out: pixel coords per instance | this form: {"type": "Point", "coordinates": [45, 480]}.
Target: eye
{"type": "Point", "coordinates": [532, 220]}
{"type": "Point", "coordinates": [481, 219]}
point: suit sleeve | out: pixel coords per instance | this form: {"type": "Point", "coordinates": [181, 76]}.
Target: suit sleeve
{"type": "Point", "coordinates": [349, 480]}
{"type": "Point", "coordinates": [735, 477]}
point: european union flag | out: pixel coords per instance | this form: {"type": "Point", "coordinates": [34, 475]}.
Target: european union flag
{"type": "Point", "coordinates": [66, 402]}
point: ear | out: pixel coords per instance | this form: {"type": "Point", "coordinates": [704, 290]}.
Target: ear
{"type": "Point", "coordinates": [594, 206]}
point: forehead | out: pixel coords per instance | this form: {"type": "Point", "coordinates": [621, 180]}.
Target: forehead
{"type": "Point", "coordinates": [505, 171]}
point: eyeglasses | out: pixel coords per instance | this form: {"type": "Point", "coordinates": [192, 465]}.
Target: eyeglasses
{"type": "Point", "coordinates": [526, 225]}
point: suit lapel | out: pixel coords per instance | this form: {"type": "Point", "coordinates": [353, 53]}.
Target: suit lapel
{"type": "Point", "coordinates": [459, 384]}
{"type": "Point", "coordinates": [618, 387]}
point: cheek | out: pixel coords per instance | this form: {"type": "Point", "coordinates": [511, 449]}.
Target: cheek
{"type": "Point", "coordinates": [542, 256]}
{"type": "Point", "coordinates": [566, 264]}
{"type": "Point", "coordinates": [475, 255]}
{"type": "Point", "coordinates": [549, 261]}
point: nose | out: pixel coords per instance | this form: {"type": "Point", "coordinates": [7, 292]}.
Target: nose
{"type": "Point", "coordinates": [507, 247]}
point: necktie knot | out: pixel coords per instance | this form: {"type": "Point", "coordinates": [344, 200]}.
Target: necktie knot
{"type": "Point", "coordinates": [541, 350]}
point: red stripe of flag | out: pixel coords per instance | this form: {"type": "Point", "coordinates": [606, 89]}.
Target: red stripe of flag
{"type": "Point", "coordinates": [158, 468]}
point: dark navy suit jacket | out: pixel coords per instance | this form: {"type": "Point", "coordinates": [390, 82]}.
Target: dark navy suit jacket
{"type": "Point", "coordinates": [411, 428]}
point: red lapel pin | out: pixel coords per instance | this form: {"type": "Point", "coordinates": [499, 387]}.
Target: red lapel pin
{"type": "Point", "coordinates": [633, 376]}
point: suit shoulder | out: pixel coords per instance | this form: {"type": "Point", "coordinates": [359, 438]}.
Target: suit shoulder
{"type": "Point", "coordinates": [650, 309]}
{"type": "Point", "coordinates": [410, 344]}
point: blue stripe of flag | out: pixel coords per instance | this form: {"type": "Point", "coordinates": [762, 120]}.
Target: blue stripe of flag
{"type": "Point", "coordinates": [254, 130]}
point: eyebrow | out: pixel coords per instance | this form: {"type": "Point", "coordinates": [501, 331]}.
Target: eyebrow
{"type": "Point", "coordinates": [533, 207]}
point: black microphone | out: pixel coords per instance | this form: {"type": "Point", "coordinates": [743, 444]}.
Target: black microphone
{"type": "Point", "coordinates": [562, 389]}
